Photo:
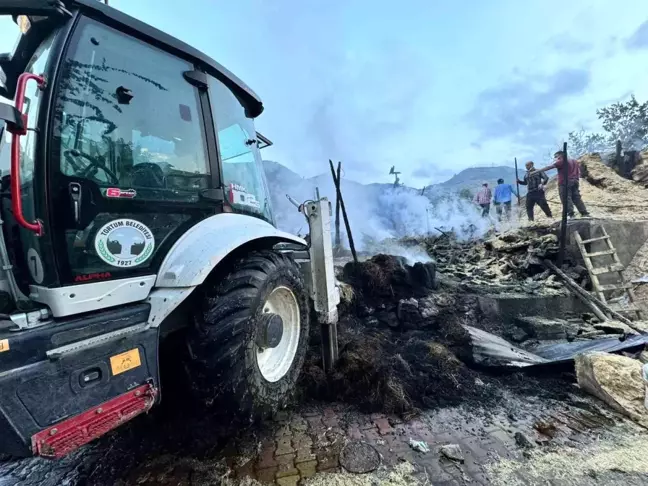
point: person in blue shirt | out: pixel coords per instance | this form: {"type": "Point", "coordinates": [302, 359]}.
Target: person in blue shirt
{"type": "Point", "coordinates": [502, 199]}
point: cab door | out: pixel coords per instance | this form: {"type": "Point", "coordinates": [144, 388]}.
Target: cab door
{"type": "Point", "coordinates": [129, 164]}
{"type": "Point", "coordinates": [29, 252]}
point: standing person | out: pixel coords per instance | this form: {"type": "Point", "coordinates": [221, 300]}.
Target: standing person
{"type": "Point", "coordinates": [502, 199]}
{"type": "Point", "coordinates": [483, 198]}
{"type": "Point", "coordinates": [535, 180]}
{"type": "Point", "coordinates": [572, 195]}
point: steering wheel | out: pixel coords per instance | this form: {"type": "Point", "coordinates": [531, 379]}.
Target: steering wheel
{"type": "Point", "coordinates": [148, 174]}
{"type": "Point", "coordinates": [93, 163]}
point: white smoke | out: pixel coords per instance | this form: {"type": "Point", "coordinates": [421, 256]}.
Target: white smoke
{"type": "Point", "coordinates": [379, 214]}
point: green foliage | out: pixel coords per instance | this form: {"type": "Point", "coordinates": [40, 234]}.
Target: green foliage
{"type": "Point", "coordinates": [581, 143]}
{"type": "Point", "coordinates": [627, 122]}
{"type": "Point", "coordinates": [624, 121]}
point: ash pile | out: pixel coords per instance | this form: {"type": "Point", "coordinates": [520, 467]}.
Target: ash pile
{"type": "Point", "coordinates": [506, 262]}
{"type": "Point", "coordinates": [408, 341]}
{"type": "Point", "coordinates": [414, 337]}
{"type": "Point", "coordinates": [401, 347]}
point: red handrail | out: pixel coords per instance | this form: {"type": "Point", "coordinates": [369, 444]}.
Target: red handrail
{"type": "Point", "coordinates": [16, 199]}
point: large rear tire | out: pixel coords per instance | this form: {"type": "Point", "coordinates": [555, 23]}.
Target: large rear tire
{"type": "Point", "coordinates": [239, 359]}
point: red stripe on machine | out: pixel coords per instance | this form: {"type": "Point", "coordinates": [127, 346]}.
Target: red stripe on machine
{"type": "Point", "coordinates": [61, 439]}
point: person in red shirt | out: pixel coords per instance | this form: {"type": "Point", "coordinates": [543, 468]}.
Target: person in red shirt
{"type": "Point", "coordinates": [572, 195]}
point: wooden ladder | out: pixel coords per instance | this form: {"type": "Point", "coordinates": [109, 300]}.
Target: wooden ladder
{"type": "Point", "coordinates": [616, 267]}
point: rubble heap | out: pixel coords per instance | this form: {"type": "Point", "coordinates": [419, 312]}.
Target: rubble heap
{"type": "Point", "coordinates": [399, 353]}
{"type": "Point", "coordinates": [640, 171]}
{"type": "Point", "coordinates": [505, 262]}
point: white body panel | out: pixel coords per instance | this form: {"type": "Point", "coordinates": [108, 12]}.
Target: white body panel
{"type": "Point", "coordinates": [164, 301]}
{"type": "Point", "coordinates": [186, 266]}
{"type": "Point", "coordinates": [197, 253]}
{"type": "Point", "coordinates": [203, 246]}
{"type": "Point", "coordinates": [76, 299]}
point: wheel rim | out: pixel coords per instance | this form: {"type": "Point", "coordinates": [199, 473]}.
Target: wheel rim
{"type": "Point", "coordinates": [274, 363]}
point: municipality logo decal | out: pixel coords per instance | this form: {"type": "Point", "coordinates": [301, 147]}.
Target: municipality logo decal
{"type": "Point", "coordinates": [124, 243]}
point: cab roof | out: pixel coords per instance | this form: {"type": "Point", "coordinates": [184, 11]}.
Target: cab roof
{"type": "Point", "coordinates": [111, 16]}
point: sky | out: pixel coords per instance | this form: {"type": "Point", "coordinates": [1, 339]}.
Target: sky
{"type": "Point", "coordinates": [431, 87]}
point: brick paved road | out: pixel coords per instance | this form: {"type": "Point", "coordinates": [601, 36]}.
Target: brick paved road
{"type": "Point", "coordinates": [299, 445]}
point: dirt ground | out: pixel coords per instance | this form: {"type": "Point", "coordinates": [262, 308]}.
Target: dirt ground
{"type": "Point", "coordinates": [530, 440]}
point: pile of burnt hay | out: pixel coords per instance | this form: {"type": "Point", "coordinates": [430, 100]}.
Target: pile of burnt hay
{"type": "Point", "coordinates": [393, 372]}
{"type": "Point", "coordinates": [400, 363]}
{"type": "Point", "coordinates": [389, 276]}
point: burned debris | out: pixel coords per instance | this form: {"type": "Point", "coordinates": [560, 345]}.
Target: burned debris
{"type": "Point", "coordinates": [505, 262]}
{"type": "Point", "coordinates": [415, 337]}
{"type": "Point", "coordinates": [397, 353]}
{"type": "Point", "coordinates": [406, 340]}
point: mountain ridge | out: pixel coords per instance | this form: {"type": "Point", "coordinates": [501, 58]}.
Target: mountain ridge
{"type": "Point", "coordinates": [378, 211]}
{"type": "Point", "coordinates": [471, 178]}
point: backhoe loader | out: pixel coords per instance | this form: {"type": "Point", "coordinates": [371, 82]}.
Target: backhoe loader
{"type": "Point", "coordinates": [134, 205]}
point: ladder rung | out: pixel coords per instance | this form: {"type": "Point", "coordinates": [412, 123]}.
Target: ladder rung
{"type": "Point", "coordinates": [616, 267]}
{"type": "Point", "coordinates": [625, 309]}
{"type": "Point", "coordinates": [591, 240]}
{"type": "Point", "coordinates": [605, 288]}
{"type": "Point", "coordinates": [600, 253]}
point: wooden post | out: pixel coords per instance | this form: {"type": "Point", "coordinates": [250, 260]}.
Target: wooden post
{"type": "Point", "coordinates": [338, 189]}
{"type": "Point", "coordinates": [619, 159]}
{"type": "Point", "coordinates": [337, 209]}
{"type": "Point", "coordinates": [517, 184]}
{"type": "Point", "coordinates": [563, 223]}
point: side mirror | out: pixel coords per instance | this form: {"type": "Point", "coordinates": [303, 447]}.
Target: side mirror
{"type": "Point", "coordinates": [14, 119]}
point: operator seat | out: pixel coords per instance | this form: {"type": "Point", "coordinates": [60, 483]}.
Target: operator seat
{"type": "Point", "coordinates": [148, 174]}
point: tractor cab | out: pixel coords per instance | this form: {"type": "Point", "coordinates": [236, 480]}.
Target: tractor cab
{"type": "Point", "coordinates": [131, 138]}
{"type": "Point", "coordinates": [134, 207]}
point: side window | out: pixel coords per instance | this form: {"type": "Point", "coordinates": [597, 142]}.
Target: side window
{"type": "Point", "coordinates": [127, 119]}
{"type": "Point", "coordinates": [33, 95]}
{"type": "Point", "coordinates": [243, 176]}
{"type": "Point", "coordinates": [30, 244]}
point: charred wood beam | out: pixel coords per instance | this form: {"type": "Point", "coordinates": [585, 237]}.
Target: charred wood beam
{"type": "Point", "coordinates": [338, 189]}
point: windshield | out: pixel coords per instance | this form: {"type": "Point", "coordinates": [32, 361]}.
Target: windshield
{"type": "Point", "coordinates": [127, 121]}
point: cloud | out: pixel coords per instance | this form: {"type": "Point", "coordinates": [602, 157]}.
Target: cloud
{"type": "Point", "coordinates": [525, 109]}
{"type": "Point", "coordinates": [639, 40]}
{"type": "Point", "coordinates": [569, 44]}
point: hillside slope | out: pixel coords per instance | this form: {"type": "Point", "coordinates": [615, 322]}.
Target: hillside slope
{"type": "Point", "coordinates": [472, 178]}
{"type": "Point", "coordinates": [606, 194]}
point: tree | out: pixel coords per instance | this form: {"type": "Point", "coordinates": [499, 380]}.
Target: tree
{"type": "Point", "coordinates": [581, 143]}
{"type": "Point", "coordinates": [627, 122]}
